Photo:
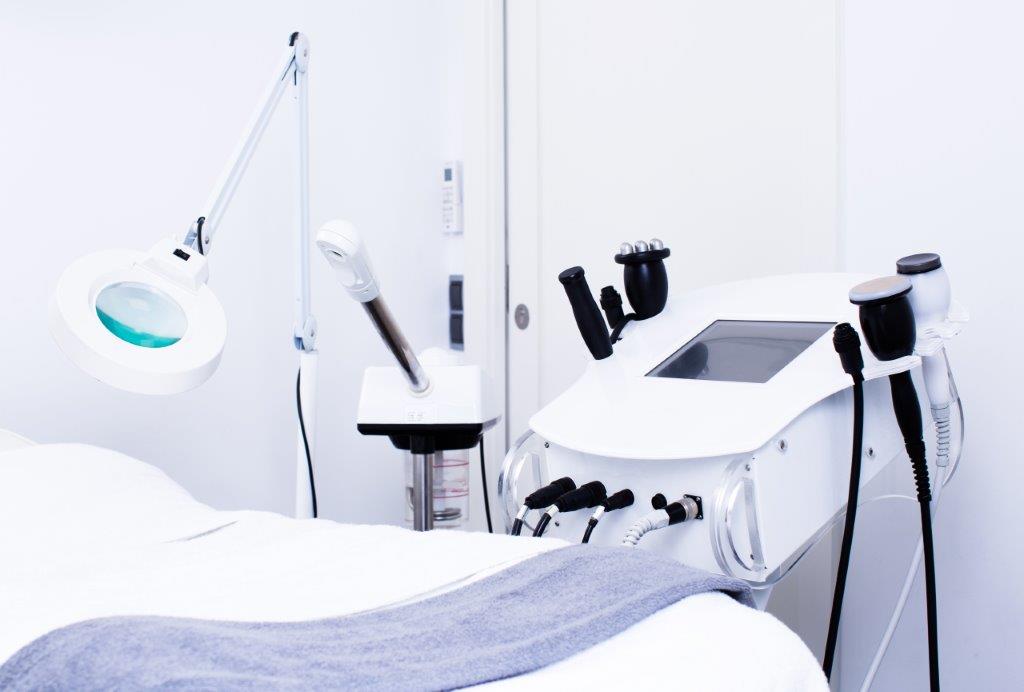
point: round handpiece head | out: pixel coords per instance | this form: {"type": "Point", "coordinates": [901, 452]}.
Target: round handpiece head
{"type": "Point", "coordinates": [931, 295]}
{"type": "Point", "coordinates": [886, 316]}
{"type": "Point", "coordinates": [345, 251]}
{"type": "Point", "coordinates": [921, 263]}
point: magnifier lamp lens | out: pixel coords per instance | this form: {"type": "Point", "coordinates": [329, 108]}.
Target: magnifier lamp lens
{"type": "Point", "coordinates": [141, 315]}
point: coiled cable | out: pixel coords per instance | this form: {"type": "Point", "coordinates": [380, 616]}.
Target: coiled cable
{"type": "Point", "coordinates": [652, 521]}
{"type": "Point", "coordinates": [684, 509]}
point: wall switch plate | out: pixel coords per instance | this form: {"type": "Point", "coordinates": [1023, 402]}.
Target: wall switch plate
{"type": "Point", "coordinates": [451, 198]}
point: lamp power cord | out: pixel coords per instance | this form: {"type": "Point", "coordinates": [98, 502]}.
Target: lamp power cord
{"type": "Point", "coordinates": [483, 480]}
{"type": "Point", "coordinates": [305, 440]}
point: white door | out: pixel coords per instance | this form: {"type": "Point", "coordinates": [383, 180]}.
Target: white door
{"type": "Point", "coordinates": [710, 125]}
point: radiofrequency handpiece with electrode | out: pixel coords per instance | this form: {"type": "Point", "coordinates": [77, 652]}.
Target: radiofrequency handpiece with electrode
{"type": "Point", "coordinates": [727, 409]}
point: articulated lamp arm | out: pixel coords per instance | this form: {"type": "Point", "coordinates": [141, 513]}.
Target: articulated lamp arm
{"type": "Point", "coordinates": [291, 69]}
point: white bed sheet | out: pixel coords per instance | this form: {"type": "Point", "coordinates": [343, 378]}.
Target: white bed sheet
{"type": "Point", "coordinates": [87, 532]}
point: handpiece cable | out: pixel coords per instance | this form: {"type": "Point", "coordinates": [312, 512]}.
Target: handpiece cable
{"type": "Point", "coordinates": [915, 564]}
{"type": "Point", "coordinates": [847, 345]}
{"type": "Point", "coordinates": [587, 496]}
{"type": "Point", "coordinates": [620, 500]}
{"type": "Point", "coordinates": [305, 440]}
{"type": "Point", "coordinates": [541, 498]}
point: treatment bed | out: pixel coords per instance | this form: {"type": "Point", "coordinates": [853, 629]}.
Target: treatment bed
{"type": "Point", "coordinates": [89, 533]}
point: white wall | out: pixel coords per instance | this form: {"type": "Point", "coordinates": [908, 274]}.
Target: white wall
{"type": "Point", "coordinates": [709, 125]}
{"type": "Point", "coordinates": [117, 119]}
{"type": "Point", "coordinates": [933, 159]}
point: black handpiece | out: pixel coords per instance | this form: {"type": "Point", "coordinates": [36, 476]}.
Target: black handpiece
{"type": "Point", "coordinates": [588, 316]}
{"type": "Point", "coordinates": [645, 276]}
{"type": "Point", "coordinates": [887, 321]}
{"type": "Point", "coordinates": [620, 500]}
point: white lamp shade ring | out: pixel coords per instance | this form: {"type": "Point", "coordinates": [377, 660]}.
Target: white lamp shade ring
{"type": "Point", "coordinates": [135, 329]}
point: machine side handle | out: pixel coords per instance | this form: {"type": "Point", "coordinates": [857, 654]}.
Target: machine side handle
{"type": "Point", "coordinates": [588, 316]}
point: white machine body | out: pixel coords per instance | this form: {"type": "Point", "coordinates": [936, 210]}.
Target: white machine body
{"type": "Point", "coordinates": [769, 457]}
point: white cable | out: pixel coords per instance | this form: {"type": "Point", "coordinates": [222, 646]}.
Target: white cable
{"type": "Point", "coordinates": [658, 519]}
{"type": "Point", "coordinates": [942, 448]}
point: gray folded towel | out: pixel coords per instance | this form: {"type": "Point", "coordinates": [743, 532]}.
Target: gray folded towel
{"type": "Point", "coordinates": [533, 614]}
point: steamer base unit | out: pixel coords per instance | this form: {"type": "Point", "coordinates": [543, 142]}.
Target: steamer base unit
{"type": "Point", "coordinates": [733, 394]}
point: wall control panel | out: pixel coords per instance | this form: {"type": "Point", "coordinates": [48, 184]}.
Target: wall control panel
{"type": "Point", "coordinates": [451, 198]}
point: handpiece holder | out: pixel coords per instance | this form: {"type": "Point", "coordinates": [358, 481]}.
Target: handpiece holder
{"type": "Point", "coordinates": [585, 310]}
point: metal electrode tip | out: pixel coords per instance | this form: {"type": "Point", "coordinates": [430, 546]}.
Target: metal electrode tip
{"type": "Point", "coordinates": [626, 249]}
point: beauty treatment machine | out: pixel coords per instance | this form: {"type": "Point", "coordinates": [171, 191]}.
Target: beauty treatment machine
{"type": "Point", "coordinates": [727, 410]}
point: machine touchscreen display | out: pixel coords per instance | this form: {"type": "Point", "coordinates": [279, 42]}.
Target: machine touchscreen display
{"type": "Point", "coordinates": [741, 350]}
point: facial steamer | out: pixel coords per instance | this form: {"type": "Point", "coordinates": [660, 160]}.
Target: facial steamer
{"type": "Point", "coordinates": [421, 409]}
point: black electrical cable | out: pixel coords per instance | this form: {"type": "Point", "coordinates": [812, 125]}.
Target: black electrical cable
{"type": "Point", "coordinates": [483, 479]}
{"type": "Point", "coordinates": [542, 525]}
{"type": "Point", "coordinates": [930, 596]}
{"type": "Point", "coordinates": [305, 440]}
{"type": "Point", "coordinates": [889, 327]}
{"type": "Point", "coordinates": [542, 498]}
{"type": "Point", "coordinates": [620, 500]}
{"type": "Point", "coordinates": [847, 345]}
{"type": "Point", "coordinates": [590, 529]}
{"type": "Point", "coordinates": [851, 518]}
{"type": "Point", "coordinates": [586, 496]}
{"type": "Point", "coordinates": [620, 326]}
{"type": "Point", "coordinates": [908, 414]}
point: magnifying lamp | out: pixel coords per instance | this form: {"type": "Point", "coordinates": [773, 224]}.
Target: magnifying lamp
{"type": "Point", "coordinates": [147, 322]}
